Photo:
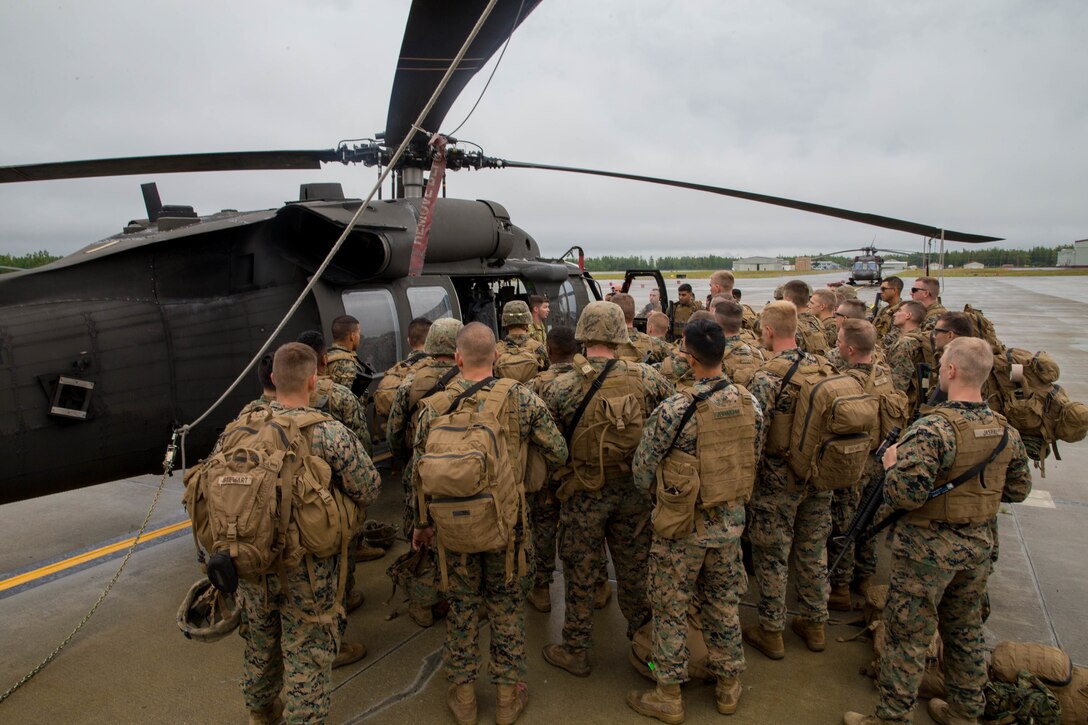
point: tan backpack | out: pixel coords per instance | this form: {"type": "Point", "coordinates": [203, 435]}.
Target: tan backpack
{"type": "Point", "coordinates": [984, 328]}
{"type": "Point", "coordinates": [517, 362]}
{"type": "Point", "coordinates": [263, 497]}
{"type": "Point", "coordinates": [830, 428]}
{"type": "Point", "coordinates": [394, 376]}
{"type": "Point", "coordinates": [895, 411]}
{"type": "Point", "coordinates": [681, 376]}
{"type": "Point", "coordinates": [722, 471]}
{"type": "Point", "coordinates": [607, 426]}
{"type": "Point", "coordinates": [466, 477]}
{"type": "Point", "coordinates": [741, 361]}
{"type": "Point", "coordinates": [810, 335]}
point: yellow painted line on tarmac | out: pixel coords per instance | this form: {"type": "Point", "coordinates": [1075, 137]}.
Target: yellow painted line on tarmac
{"type": "Point", "coordinates": [70, 562]}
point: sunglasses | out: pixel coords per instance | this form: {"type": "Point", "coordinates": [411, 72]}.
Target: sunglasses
{"type": "Point", "coordinates": [918, 289]}
{"type": "Point", "coordinates": [941, 329]}
{"type": "Point", "coordinates": [839, 314]}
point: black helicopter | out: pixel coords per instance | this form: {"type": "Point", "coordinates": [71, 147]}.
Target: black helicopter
{"type": "Point", "coordinates": [867, 266]}
{"type": "Point", "coordinates": [104, 352]}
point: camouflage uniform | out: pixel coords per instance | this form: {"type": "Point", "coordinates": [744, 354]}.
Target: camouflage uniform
{"type": "Point", "coordinates": [860, 559]}
{"type": "Point", "coordinates": [618, 513]}
{"type": "Point", "coordinates": [343, 371]}
{"type": "Point", "coordinates": [831, 332]}
{"type": "Point", "coordinates": [904, 357]}
{"type": "Point", "coordinates": [399, 428]}
{"type": "Point", "coordinates": [679, 313]}
{"type": "Point", "coordinates": [731, 361]}
{"type": "Point", "coordinates": [676, 369]}
{"type": "Point", "coordinates": [341, 403]}
{"type": "Point", "coordinates": [539, 332]}
{"type": "Point", "coordinates": [292, 638]}
{"type": "Point", "coordinates": [527, 342]}
{"type": "Point", "coordinates": [785, 515]}
{"type": "Point", "coordinates": [481, 578]}
{"type": "Point", "coordinates": [810, 334]}
{"type": "Point", "coordinates": [932, 313]}
{"type": "Point", "coordinates": [543, 505]}
{"type": "Point", "coordinates": [259, 403]}
{"type": "Point", "coordinates": [704, 566]}
{"type": "Point", "coordinates": [883, 320]}
{"type": "Point", "coordinates": [939, 572]}
{"type": "Point", "coordinates": [651, 349]}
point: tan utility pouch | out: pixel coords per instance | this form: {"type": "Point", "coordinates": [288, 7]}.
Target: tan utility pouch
{"type": "Point", "coordinates": [677, 490]}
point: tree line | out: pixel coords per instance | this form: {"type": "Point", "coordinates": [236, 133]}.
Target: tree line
{"type": "Point", "coordinates": [26, 261]}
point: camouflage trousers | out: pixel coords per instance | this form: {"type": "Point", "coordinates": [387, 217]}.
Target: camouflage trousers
{"type": "Point", "coordinates": [860, 559]}
{"type": "Point", "coordinates": [292, 640]}
{"type": "Point", "coordinates": [421, 589]}
{"type": "Point", "coordinates": [544, 521]}
{"type": "Point", "coordinates": [681, 571]}
{"type": "Point", "coordinates": [476, 579]}
{"type": "Point", "coordinates": [921, 595]}
{"type": "Point", "coordinates": [789, 519]}
{"type": "Point", "coordinates": [619, 514]}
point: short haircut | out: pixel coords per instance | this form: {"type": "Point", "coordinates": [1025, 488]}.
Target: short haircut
{"type": "Point", "coordinates": [657, 321]}
{"type": "Point", "coordinates": [959, 323]}
{"type": "Point", "coordinates": [343, 326]}
{"type": "Point", "coordinates": [417, 331]}
{"type": "Point", "coordinates": [705, 341]}
{"type": "Point", "coordinates": [561, 344]}
{"type": "Point", "coordinates": [292, 366]}
{"type": "Point", "coordinates": [314, 340]}
{"type": "Point", "coordinates": [729, 315]}
{"type": "Point", "coordinates": [702, 315]}
{"type": "Point", "coordinates": [859, 334]}
{"type": "Point", "coordinates": [797, 291]}
{"type": "Point", "coordinates": [825, 297]}
{"type": "Point", "coordinates": [972, 356]}
{"type": "Point", "coordinates": [476, 343]}
{"type": "Point", "coordinates": [723, 278]}
{"type": "Point", "coordinates": [626, 303]}
{"type": "Point", "coordinates": [536, 301]}
{"type": "Point", "coordinates": [736, 294]}
{"type": "Point", "coordinates": [840, 296]}
{"type": "Point", "coordinates": [685, 287]}
{"type": "Point", "coordinates": [778, 292]}
{"type": "Point", "coordinates": [853, 309]}
{"type": "Point", "coordinates": [895, 283]}
{"type": "Point", "coordinates": [915, 309]}
{"type": "Point", "coordinates": [781, 317]}
{"type": "Point", "coordinates": [932, 284]}
{"type": "Point", "coordinates": [264, 372]}
{"type": "Point", "coordinates": [718, 298]}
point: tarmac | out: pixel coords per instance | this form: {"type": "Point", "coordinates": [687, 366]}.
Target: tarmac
{"type": "Point", "coordinates": [130, 663]}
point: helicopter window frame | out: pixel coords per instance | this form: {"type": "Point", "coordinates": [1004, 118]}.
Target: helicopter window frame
{"type": "Point", "coordinates": [379, 315]}
{"type": "Point", "coordinates": [416, 295]}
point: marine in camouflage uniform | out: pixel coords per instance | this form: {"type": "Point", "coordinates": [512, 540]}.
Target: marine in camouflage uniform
{"type": "Point", "coordinates": [480, 579]}
{"type": "Point", "coordinates": [343, 365]}
{"type": "Point", "coordinates": [676, 369]}
{"type": "Point", "coordinates": [883, 320]}
{"type": "Point", "coordinates": [705, 565]}
{"type": "Point", "coordinates": [617, 513]}
{"type": "Point", "coordinates": [339, 402]}
{"type": "Point", "coordinates": [543, 505]}
{"type": "Point", "coordinates": [904, 357]}
{"type": "Point", "coordinates": [939, 572]}
{"type": "Point", "coordinates": [651, 349]}
{"type": "Point", "coordinates": [932, 313]}
{"type": "Point", "coordinates": [526, 341]}
{"type": "Point", "coordinates": [293, 637]}
{"type": "Point", "coordinates": [831, 332]}
{"type": "Point", "coordinates": [787, 515]}
{"type": "Point", "coordinates": [539, 332]}
{"type": "Point", "coordinates": [810, 334]}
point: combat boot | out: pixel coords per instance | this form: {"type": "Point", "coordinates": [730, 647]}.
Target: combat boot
{"type": "Point", "coordinates": [840, 600]}
{"type": "Point", "coordinates": [943, 713]}
{"type": "Point", "coordinates": [366, 552]}
{"type": "Point", "coordinates": [355, 600]}
{"type": "Point", "coordinates": [420, 614]}
{"type": "Point", "coordinates": [349, 652]}
{"type": "Point", "coordinates": [603, 595]}
{"type": "Point", "coordinates": [461, 700]}
{"type": "Point", "coordinates": [856, 718]}
{"type": "Point", "coordinates": [812, 632]}
{"type": "Point", "coordinates": [862, 584]}
{"type": "Point", "coordinates": [664, 702]}
{"type": "Point", "coordinates": [270, 715]}
{"type": "Point", "coordinates": [769, 643]}
{"type": "Point", "coordinates": [559, 656]}
{"type": "Point", "coordinates": [727, 694]}
{"type": "Point", "coordinates": [541, 599]}
{"type": "Point", "coordinates": [510, 700]}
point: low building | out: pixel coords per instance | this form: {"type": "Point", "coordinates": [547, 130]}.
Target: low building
{"type": "Point", "coordinates": [1067, 257]}
{"type": "Point", "coordinates": [974, 265]}
{"type": "Point", "coordinates": [803, 264]}
{"type": "Point", "coordinates": [758, 264]}
{"type": "Point", "coordinates": [1080, 249]}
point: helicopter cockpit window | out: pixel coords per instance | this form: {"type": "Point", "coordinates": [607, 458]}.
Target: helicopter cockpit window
{"type": "Point", "coordinates": [430, 302]}
{"type": "Point", "coordinates": [564, 308]}
{"type": "Point", "coordinates": [381, 339]}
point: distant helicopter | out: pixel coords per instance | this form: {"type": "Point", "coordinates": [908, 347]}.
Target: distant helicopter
{"type": "Point", "coordinates": [868, 266]}
{"type": "Point", "coordinates": [104, 352]}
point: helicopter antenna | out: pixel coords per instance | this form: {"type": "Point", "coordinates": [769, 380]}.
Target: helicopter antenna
{"type": "Point", "coordinates": [184, 429]}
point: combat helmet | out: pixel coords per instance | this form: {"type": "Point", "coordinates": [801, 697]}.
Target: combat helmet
{"type": "Point", "coordinates": [602, 322]}
{"type": "Point", "coordinates": [442, 337]}
{"type": "Point", "coordinates": [516, 312]}
{"type": "Point", "coordinates": [207, 614]}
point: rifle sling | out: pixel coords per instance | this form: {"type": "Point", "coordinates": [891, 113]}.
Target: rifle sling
{"type": "Point", "coordinates": [690, 411]}
{"type": "Point", "coordinates": [442, 382]}
{"type": "Point", "coordinates": [470, 391]}
{"type": "Point", "coordinates": [593, 388]}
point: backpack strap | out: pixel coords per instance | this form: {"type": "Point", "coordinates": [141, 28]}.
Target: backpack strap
{"type": "Point", "coordinates": [690, 410]}
{"type": "Point", "coordinates": [442, 382]}
{"type": "Point", "coordinates": [979, 469]}
{"type": "Point", "coordinates": [593, 388]}
{"type": "Point", "coordinates": [497, 398]}
{"type": "Point", "coordinates": [475, 387]}
{"type": "Point", "coordinates": [793, 369]}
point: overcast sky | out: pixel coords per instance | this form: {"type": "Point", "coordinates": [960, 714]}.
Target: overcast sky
{"type": "Point", "coordinates": [970, 115]}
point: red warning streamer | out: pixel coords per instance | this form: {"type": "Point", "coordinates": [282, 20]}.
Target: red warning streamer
{"type": "Point", "coordinates": [426, 211]}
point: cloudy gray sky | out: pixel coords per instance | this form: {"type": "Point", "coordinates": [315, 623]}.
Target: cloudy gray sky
{"type": "Point", "coordinates": [971, 115]}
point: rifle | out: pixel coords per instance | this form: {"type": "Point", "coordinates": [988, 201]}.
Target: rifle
{"type": "Point", "coordinates": [871, 500]}
{"type": "Point", "coordinates": [861, 527]}
{"type": "Point", "coordinates": [876, 308]}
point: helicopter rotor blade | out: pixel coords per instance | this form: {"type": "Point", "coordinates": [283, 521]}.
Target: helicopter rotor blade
{"type": "Point", "coordinates": [228, 161]}
{"type": "Point", "coordinates": [854, 216]}
{"type": "Point", "coordinates": [433, 34]}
